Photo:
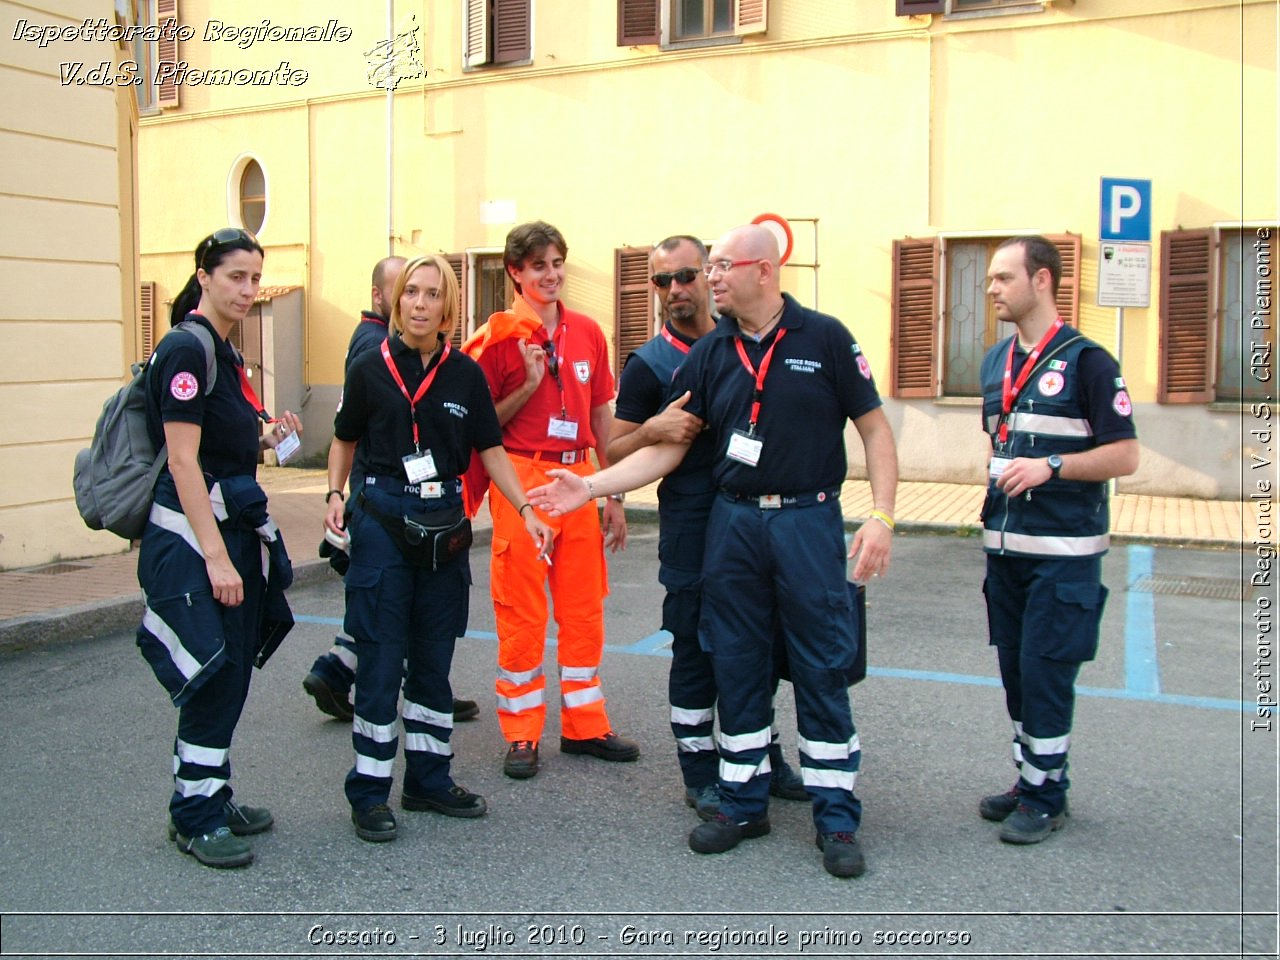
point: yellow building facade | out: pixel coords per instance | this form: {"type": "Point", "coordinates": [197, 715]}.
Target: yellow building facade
{"type": "Point", "coordinates": [899, 139]}
{"type": "Point", "coordinates": [68, 262]}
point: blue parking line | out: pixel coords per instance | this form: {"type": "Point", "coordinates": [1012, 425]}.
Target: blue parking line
{"type": "Point", "coordinates": [1141, 667]}
{"type": "Point", "coordinates": [657, 645]}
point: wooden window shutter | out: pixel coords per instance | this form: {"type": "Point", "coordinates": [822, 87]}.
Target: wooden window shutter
{"type": "Point", "coordinates": [633, 304]}
{"type": "Point", "coordinates": [458, 261]}
{"type": "Point", "coordinates": [637, 22]}
{"type": "Point", "coordinates": [1068, 245]}
{"type": "Point", "coordinates": [752, 16]}
{"type": "Point", "coordinates": [147, 316]}
{"type": "Point", "coordinates": [512, 31]}
{"type": "Point", "coordinates": [167, 52]}
{"type": "Point", "coordinates": [475, 40]}
{"type": "Point", "coordinates": [1186, 316]}
{"type": "Point", "coordinates": [911, 8]}
{"type": "Point", "coordinates": [913, 330]}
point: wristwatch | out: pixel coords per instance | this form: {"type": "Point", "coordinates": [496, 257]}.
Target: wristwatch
{"type": "Point", "coordinates": [1055, 465]}
{"type": "Point", "coordinates": [618, 497]}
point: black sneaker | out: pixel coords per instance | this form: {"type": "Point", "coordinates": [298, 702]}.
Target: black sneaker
{"type": "Point", "coordinates": [521, 761]}
{"type": "Point", "coordinates": [454, 802]}
{"type": "Point", "coordinates": [785, 783]}
{"type": "Point", "coordinates": [720, 833]}
{"type": "Point", "coordinates": [1028, 825]}
{"type": "Point", "coordinates": [998, 806]}
{"type": "Point", "coordinates": [609, 747]}
{"type": "Point", "coordinates": [464, 710]}
{"type": "Point", "coordinates": [841, 854]}
{"type": "Point", "coordinates": [704, 800]}
{"type": "Point", "coordinates": [377, 824]}
{"type": "Point", "coordinates": [221, 848]}
{"type": "Point", "coordinates": [242, 821]}
{"type": "Point", "coordinates": [326, 698]}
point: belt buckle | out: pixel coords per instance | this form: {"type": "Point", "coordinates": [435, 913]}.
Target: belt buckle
{"type": "Point", "coordinates": [569, 457]}
{"type": "Point", "coordinates": [770, 501]}
{"type": "Point", "coordinates": [431, 490]}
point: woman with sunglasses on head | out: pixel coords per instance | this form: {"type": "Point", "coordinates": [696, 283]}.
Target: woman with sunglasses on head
{"type": "Point", "coordinates": [211, 611]}
{"type": "Point", "coordinates": [419, 409]}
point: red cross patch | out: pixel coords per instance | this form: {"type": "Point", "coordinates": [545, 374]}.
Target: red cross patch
{"type": "Point", "coordinates": [184, 385]}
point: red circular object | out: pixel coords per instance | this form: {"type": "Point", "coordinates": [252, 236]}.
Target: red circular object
{"type": "Point", "coordinates": [780, 228]}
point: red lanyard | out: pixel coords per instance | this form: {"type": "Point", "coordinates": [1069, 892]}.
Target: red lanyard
{"type": "Point", "coordinates": [422, 387]}
{"type": "Point", "coordinates": [246, 388]}
{"type": "Point", "coordinates": [678, 344]}
{"type": "Point", "coordinates": [555, 357]}
{"type": "Point", "coordinates": [1010, 388]}
{"type": "Point", "coordinates": [758, 374]}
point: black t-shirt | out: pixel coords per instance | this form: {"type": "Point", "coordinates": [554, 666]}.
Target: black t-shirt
{"type": "Point", "coordinates": [368, 334]}
{"type": "Point", "coordinates": [455, 416]}
{"type": "Point", "coordinates": [229, 426]}
{"type": "Point", "coordinates": [818, 379]}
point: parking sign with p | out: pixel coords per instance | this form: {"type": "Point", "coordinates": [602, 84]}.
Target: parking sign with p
{"type": "Point", "coordinates": [1126, 210]}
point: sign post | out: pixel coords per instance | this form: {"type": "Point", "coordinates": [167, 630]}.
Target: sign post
{"type": "Point", "coordinates": [1124, 250]}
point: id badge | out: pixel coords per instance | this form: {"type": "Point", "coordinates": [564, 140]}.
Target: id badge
{"type": "Point", "coordinates": [744, 449]}
{"type": "Point", "coordinates": [287, 447]}
{"type": "Point", "coordinates": [419, 467]}
{"type": "Point", "coordinates": [562, 428]}
{"type": "Point", "coordinates": [998, 466]}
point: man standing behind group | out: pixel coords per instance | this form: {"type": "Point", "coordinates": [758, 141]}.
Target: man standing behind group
{"type": "Point", "coordinates": [642, 417]}
{"type": "Point", "coordinates": [549, 376]}
{"type": "Point", "coordinates": [331, 676]}
{"type": "Point", "coordinates": [1060, 422]}
{"type": "Point", "coordinates": [776, 384]}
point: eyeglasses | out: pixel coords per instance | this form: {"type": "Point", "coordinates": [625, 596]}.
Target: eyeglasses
{"type": "Point", "coordinates": [724, 266]}
{"type": "Point", "coordinates": [553, 362]}
{"type": "Point", "coordinates": [686, 276]}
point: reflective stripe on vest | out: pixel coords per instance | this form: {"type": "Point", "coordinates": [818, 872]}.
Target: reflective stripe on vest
{"type": "Point", "coordinates": [1047, 546]}
{"type": "Point", "coordinates": [1039, 423]}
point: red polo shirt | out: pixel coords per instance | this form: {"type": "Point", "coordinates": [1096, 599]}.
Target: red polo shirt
{"type": "Point", "coordinates": [585, 380]}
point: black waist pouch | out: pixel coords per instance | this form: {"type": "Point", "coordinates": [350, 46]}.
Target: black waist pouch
{"type": "Point", "coordinates": [431, 545]}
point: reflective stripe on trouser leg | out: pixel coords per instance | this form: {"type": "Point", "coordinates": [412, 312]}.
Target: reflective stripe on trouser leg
{"type": "Point", "coordinates": [817, 624]}
{"type": "Point", "coordinates": [207, 721]}
{"type": "Point", "coordinates": [439, 615]}
{"type": "Point", "coordinates": [379, 597]}
{"type": "Point", "coordinates": [338, 665]}
{"type": "Point", "coordinates": [736, 628]}
{"type": "Point", "coordinates": [691, 690]}
{"type": "Point", "coordinates": [517, 582]}
{"type": "Point", "coordinates": [578, 587]}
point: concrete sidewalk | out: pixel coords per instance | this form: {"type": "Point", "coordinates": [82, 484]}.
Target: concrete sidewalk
{"type": "Point", "coordinates": [74, 599]}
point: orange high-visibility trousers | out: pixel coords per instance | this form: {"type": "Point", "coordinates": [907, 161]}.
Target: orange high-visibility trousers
{"type": "Point", "coordinates": [579, 582]}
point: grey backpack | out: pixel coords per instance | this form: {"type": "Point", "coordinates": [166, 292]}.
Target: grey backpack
{"type": "Point", "coordinates": [114, 478]}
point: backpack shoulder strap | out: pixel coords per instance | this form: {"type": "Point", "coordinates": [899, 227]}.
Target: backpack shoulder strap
{"type": "Point", "coordinates": [201, 333]}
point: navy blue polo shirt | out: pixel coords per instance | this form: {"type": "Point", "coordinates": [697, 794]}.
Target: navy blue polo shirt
{"type": "Point", "coordinates": [229, 426]}
{"type": "Point", "coordinates": [1100, 387]}
{"type": "Point", "coordinates": [455, 416]}
{"type": "Point", "coordinates": [641, 394]}
{"type": "Point", "coordinates": [817, 380]}
{"type": "Point", "coordinates": [368, 335]}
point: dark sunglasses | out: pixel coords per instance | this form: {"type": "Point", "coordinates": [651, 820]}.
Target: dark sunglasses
{"type": "Point", "coordinates": [224, 236]}
{"type": "Point", "coordinates": [687, 275]}
{"type": "Point", "coordinates": [553, 362]}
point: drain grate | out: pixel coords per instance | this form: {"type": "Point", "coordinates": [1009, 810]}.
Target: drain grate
{"type": "Point", "coordinates": [60, 568]}
{"type": "Point", "coordinates": [1210, 588]}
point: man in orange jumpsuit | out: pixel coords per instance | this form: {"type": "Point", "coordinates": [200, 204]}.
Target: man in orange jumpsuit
{"type": "Point", "coordinates": [548, 372]}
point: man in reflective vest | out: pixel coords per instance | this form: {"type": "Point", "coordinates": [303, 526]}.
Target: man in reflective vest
{"type": "Point", "coordinates": [1061, 425]}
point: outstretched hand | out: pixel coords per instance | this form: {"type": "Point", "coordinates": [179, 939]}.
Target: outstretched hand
{"type": "Point", "coordinates": [564, 494]}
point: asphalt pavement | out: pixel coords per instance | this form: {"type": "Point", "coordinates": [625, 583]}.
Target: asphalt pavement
{"type": "Point", "coordinates": [1170, 851]}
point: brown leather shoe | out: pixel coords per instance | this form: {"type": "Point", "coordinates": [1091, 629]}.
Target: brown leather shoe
{"type": "Point", "coordinates": [521, 762]}
{"type": "Point", "coordinates": [609, 747]}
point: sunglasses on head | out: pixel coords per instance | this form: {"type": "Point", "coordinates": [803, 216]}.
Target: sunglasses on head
{"type": "Point", "coordinates": [224, 236]}
{"type": "Point", "coordinates": [687, 275]}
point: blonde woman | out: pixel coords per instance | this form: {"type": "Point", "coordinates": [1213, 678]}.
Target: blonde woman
{"type": "Point", "coordinates": [419, 409]}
